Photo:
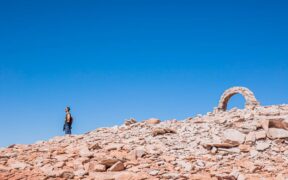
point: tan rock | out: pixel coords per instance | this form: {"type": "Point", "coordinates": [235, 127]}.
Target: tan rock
{"type": "Point", "coordinates": [161, 131]}
{"type": "Point", "coordinates": [249, 166]}
{"type": "Point", "coordinates": [137, 153]}
{"type": "Point", "coordinates": [202, 176]}
{"type": "Point", "coordinates": [59, 164]}
{"type": "Point", "coordinates": [244, 148]}
{"type": "Point", "coordinates": [85, 152]}
{"type": "Point", "coordinates": [108, 161]}
{"type": "Point", "coordinates": [154, 172]}
{"type": "Point", "coordinates": [119, 166]}
{"type": "Point", "coordinates": [261, 146]}
{"type": "Point", "coordinates": [281, 177]}
{"type": "Point", "coordinates": [250, 138]}
{"type": "Point", "coordinates": [260, 135]}
{"type": "Point", "coordinates": [95, 167]}
{"type": "Point", "coordinates": [101, 175]}
{"type": "Point", "coordinates": [80, 172]}
{"type": "Point", "coordinates": [130, 176]}
{"type": "Point", "coordinates": [114, 146]}
{"type": "Point", "coordinates": [130, 121]}
{"type": "Point", "coordinates": [67, 175]}
{"type": "Point", "coordinates": [276, 133]}
{"type": "Point", "coordinates": [241, 177]}
{"type": "Point", "coordinates": [168, 158]}
{"type": "Point", "coordinates": [152, 121]}
{"type": "Point", "coordinates": [4, 168]}
{"type": "Point", "coordinates": [18, 165]}
{"type": "Point", "coordinates": [171, 175]}
{"type": "Point", "coordinates": [95, 146]}
{"type": "Point", "coordinates": [230, 150]}
{"type": "Point", "coordinates": [233, 136]}
{"type": "Point", "coordinates": [219, 145]}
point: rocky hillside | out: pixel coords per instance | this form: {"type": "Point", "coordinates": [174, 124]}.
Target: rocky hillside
{"type": "Point", "coordinates": [251, 143]}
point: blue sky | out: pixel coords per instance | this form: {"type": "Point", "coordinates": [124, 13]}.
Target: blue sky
{"type": "Point", "coordinates": [111, 60]}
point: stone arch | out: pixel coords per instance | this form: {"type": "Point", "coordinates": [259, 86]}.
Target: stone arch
{"type": "Point", "coordinates": [251, 101]}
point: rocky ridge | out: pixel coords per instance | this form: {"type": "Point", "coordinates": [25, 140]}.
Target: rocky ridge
{"type": "Point", "coordinates": [248, 143]}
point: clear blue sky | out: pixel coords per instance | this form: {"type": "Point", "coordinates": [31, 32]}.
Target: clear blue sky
{"type": "Point", "coordinates": [111, 60]}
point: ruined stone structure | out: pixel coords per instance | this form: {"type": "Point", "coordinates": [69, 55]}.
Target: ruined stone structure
{"type": "Point", "coordinates": [251, 101]}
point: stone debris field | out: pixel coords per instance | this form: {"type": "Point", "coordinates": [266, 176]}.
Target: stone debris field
{"type": "Point", "coordinates": [236, 144]}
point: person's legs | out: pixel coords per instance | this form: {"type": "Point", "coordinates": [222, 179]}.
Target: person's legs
{"type": "Point", "coordinates": [67, 129]}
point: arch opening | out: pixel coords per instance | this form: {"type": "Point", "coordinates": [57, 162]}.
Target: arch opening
{"type": "Point", "coordinates": [236, 101]}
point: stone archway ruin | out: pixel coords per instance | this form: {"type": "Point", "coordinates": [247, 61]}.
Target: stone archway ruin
{"type": "Point", "coordinates": [251, 101]}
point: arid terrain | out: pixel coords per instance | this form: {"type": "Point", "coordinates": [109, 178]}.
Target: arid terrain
{"type": "Point", "coordinates": [249, 143]}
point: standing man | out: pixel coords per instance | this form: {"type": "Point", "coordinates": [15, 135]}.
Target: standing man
{"type": "Point", "coordinates": [68, 121]}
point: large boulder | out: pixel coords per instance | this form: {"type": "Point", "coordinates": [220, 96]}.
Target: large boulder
{"type": "Point", "coordinates": [84, 151]}
{"type": "Point", "coordinates": [233, 136]}
{"type": "Point", "coordinates": [276, 133]}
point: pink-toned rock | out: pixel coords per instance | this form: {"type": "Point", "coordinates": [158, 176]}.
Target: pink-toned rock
{"type": "Point", "coordinates": [137, 153]}
{"type": "Point", "coordinates": [18, 165]}
{"type": "Point", "coordinates": [114, 146]}
{"type": "Point", "coordinates": [131, 176]}
{"type": "Point", "coordinates": [202, 176]}
{"type": "Point", "coordinates": [4, 168]}
{"type": "Point", "coordinates": [250, 138]}
{"type": "Point", "coordinates": [95, 146]}
{"type": "Point", "coordinates": [219, 145]}
{"type": "Point", "coordinates": [130, 121]}
{"type": "Point", "coordinates": [260, 135]}
{"type": "Point", "coordinates": [67, 175]}
{"type": "Point", "coordinates": [168, 158]}
{"type": "Point", "coordinates": [161, 131]}
{"type": "Point", "coordinates": [119, 166]}
{"type": "Point", "coordinates": [85, 152]}
{"type": "Point", "coordinates": [95, 167]}
{"type": "Point", "coordinates": [244, 148]}
{"type": "Point", "coordinates": [249, 166]}
{"type": "Point", "coordinates": [59, 164]}
{"type": "Point", "coordinates": [108, 161]}
{"type": "Point", "coordinates": [101, 175]}
{"type": "Point", "coordinates": [233, 136]}
{"type": "Point", "coordinates": [276, 133]}
{"type": "Point", "coordinates": [261, 146]}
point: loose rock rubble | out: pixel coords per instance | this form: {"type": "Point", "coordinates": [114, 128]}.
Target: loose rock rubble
{"type": "Point", "coordinates": [234, 144]}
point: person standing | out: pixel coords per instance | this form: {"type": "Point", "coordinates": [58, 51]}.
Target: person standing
{"type": "Point", "coordinates": [68, 121]}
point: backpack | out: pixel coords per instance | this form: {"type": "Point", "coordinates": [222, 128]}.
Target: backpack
{"type": "Point", "coordinates": [71, 120]}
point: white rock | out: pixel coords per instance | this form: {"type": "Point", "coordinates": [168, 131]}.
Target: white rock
{"type": "Point", "coordinates": [253, 153]}
{"type": "Point", "coordinates": [230, 150]}
{"type": "Point", "coordinates": [18, 165]}
{"type": "Point", "coordinates": [200, 163]}
{"type": "Point", "coordinates": [154, 172]}
{"type": "Point", "coordinates": [171, 175]}
{"type": "Point", "coordinates": [187, 166]}
{"type": "Point", "coordinates": [85, 152]}
{"type": "Point", "coordinates": [234, 136]}
{"type": "Point", "coordinates": [277, 133]}
{"type": "Point", "coordinates": [261, 146]}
